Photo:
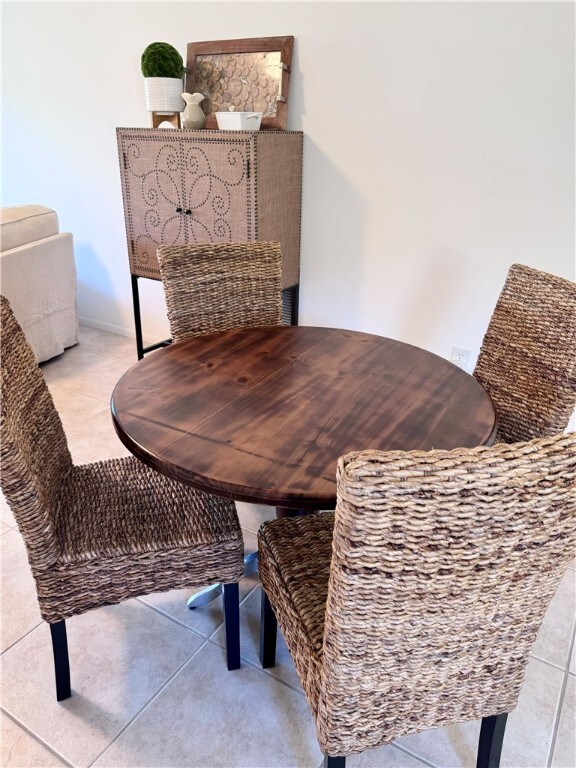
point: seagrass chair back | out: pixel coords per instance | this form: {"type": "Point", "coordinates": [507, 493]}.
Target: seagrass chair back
{"type": "Point", "coordinates": [527, 362]}
{"type": "Point", "coordinates": [416, 604]}
{"type": "Point", "coordinates": [443, 566]}
{"type": "Point", "coordinates": [35, 456]}
{"type": "Point", "coordinates": [219, 286]}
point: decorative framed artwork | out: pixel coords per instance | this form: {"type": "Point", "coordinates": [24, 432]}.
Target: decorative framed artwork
{"type": "Point", "coordinates": [250, 75]}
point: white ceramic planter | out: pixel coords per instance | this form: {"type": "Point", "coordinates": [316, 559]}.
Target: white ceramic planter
{"type": "Point", "coordinates": [164, 94]}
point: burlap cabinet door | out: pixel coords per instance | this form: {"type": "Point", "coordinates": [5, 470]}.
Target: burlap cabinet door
{"type": "Point", "coordinates": [184, 186]}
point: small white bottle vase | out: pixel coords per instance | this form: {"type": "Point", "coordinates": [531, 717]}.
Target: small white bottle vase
{"type": "Point", "coordinates": [193, 116]}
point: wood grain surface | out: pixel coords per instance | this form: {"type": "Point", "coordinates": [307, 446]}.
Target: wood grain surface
{"type": "Point", "coordinates": [262, 414]}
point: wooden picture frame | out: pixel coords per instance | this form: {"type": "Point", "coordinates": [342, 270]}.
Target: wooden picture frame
{"type": "Point", "coordinates": [251, 74]}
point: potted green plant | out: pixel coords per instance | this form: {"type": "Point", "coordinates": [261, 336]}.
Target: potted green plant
{"type": "Point", "coordinates": [163, 69]}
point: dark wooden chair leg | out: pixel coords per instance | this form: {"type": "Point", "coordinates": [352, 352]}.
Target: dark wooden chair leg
{"type": "Point", "coordinates": [490, 742]}
{"type": "Point", "coordinates": [61, 661]}
{"type": "Point", "coordinates": [336, 761]}
{"type": "Point", "coordinates": [232, 624]}
{"type": "Point", "coordinates": [268, 632]}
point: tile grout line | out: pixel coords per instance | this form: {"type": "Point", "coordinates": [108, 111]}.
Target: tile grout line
{"type": "Point", "coordinates": [148, 703]}
{"type": "Point", "coordinates": [75, 391]}
{"type": "Point", "coordinates": [210, 639]}
{"type": "Point", "coordinates": [553, 664]}
{"type": "Point", "coordinates": [413, 755]}
{"type": "Point", "coordinates": [28, 632]}
{"type": "Point", "coordinates": [254, 665]}
{"type": "Point", "coordinates": [189, 660]}
{"type": "Point", "coordinates": [561, 700]}
{"type": "Point", "coordinates": [36, 738]}
{"type": "Point", "coordinates": [173, 619]}
{"type": "Point", "coordinates": [9, 529]}
{"type": "Point", "coordinates": [565, 668]}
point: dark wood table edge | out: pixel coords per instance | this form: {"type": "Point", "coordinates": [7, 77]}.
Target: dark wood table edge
{"type": "Point", "coordinates": [239, 493]}
{"type": "Point", "coordinates": [196, 481]}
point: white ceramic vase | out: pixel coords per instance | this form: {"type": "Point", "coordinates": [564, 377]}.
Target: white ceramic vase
{"type": "Point", "coordinates": [193, 116]}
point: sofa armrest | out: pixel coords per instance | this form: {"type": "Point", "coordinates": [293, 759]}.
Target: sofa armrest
{"type": "Point", "coordinates": [39, 280]}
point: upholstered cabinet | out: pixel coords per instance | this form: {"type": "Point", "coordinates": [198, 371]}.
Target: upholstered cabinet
{"type": "Point", "coordinates": [182, 186]}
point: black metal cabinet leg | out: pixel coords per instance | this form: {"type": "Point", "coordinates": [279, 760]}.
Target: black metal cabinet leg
{"type": "Point", "coordinates": [268, 632]}
{"type": "Point", "coordinates": [334, 762]}
{"type": "Point", "coordinates": [140, 348]}
{"type": "Point", "coordinates": [295, 304]}
{"type": "Point", "coordinates": [232, 623]}
{"type": "Point", "coordinates": [137, 317]}
{"type": "Point", "coordinates": [290, 306]}
{"type": "Point", "coordinates": [61, 661]}
{"type": "Point", "coordinates": [490, 742]}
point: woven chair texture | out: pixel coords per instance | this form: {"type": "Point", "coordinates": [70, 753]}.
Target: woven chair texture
{"type": "Point", "coordinates": [527, 362]}
{"type": "Point", "coordinates": [219, 286]}
{"type": "Point", "coordinates": [416, 604]}
{"type": "Point", "coordinates": [99, 533]}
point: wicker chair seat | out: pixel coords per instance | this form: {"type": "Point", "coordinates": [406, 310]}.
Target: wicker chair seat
{"type": "Point", "coordinates": [294, 565]}
{"type": "Point", "coordinates": [122, 507]}
{"type": "Point", "coordinates": [123, 530]}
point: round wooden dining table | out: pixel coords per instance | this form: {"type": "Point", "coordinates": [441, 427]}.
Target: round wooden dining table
{"type": "Point", "coordinates": [262, 414]}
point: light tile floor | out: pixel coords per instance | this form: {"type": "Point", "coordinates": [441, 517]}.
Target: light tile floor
{"type": "Point", "coordinates": [150, 686]}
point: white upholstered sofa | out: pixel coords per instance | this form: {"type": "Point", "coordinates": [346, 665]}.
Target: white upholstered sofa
{"type": "Point", "coordinates": [38, 277]}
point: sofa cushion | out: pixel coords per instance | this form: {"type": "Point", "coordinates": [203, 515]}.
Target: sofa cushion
{"type": "Point", "coordinates": [22, 224]}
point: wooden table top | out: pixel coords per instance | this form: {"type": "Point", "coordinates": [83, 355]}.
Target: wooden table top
{"type": "Point", "coordinates": [262, 414]}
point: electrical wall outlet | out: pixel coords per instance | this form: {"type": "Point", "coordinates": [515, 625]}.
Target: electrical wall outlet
{"type": "Point", "coordinates": [460, 357]}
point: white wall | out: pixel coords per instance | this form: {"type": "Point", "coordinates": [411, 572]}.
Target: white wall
{"type": "Point", "coordinates": [439, 148]}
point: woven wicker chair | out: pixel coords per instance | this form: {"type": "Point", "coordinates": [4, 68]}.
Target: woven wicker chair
{"type": "Point", "coordinates": [100, 533]}
{"type": "Point", "coordinates": [415, 604]}
{"type": "Point", "coordinates": [219, 286]}
{"type": "Point", "coordinates": [527, 362]}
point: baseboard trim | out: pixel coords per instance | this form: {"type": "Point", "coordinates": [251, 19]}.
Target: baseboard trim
{"type": "Point", "coordinates": [117, 329]}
